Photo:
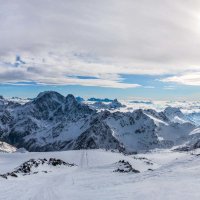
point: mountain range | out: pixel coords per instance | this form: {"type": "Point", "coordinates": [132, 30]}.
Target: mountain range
{"type": "Point", "coordinates": [53, 122]}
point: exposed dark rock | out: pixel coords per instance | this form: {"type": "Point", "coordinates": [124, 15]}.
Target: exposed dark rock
{"type": "Point", "coordinates": [99, 135]}
{"type": "Point", "coordinates": [27, 167]}
{"type": "Point", "coordinates": [125, 167]}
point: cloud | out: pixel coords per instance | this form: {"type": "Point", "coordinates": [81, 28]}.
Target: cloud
{"type": "Point", "coordinates": [44, 73]}
{"type": "Point", "coordinates": [149, 87]}
{"type": "Point", "coordinates": [192, 79]}
{"type": "Point", "coordinates": [169, 87]}
{"type": "Point", "coordinates": [61, 40]}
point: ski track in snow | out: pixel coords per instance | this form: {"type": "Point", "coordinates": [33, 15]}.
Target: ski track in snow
{"type": "Point", "coordinates": [84, 159]}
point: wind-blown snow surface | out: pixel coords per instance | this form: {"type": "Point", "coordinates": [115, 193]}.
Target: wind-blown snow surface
{"type": "Point", "coordinates": [173, 176]}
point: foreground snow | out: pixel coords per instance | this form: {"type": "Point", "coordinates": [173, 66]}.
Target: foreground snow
{"type": "Point", "coordinates": [174, 176]}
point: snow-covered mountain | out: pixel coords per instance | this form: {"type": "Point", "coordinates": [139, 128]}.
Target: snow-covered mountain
{"type": "Point", "coordinates": [100, 100]}
{"type": "Point", "coordinates": [80, 99]}
{"type": "Point", "coordinates": [175, 114]}
{"type": "Point", "coordinates": [113, 105]}
{"type": "Point", "coordinates": [195, 117]}
{"type": "Point", "coordinates": [54, 122]}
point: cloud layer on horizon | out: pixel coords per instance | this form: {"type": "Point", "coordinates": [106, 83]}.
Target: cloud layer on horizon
{"type": "Point", "coordinates": [61, 40]}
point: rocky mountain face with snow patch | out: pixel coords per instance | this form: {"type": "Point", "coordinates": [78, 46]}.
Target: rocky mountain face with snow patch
{"type": "Point", "coordinates": [53, 122]}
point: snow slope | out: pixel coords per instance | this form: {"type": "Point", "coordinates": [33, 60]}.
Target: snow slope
{"type": "Point", "coordinates": [175, 176]}
{"type": "Point", "coordinates": [7, 148]}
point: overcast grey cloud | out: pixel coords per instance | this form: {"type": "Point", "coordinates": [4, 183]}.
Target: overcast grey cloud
{"type": "Point", "coordinates": [63, 39]}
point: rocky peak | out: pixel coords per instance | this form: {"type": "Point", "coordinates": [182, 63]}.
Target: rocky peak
{"type": "Point", "coordinates": [70, 101]}
{"type": "Point", "coordinates": [74, 109]}
{"type": "Point", "coordinates": [45, 104]}
{"type": "Point", "coordinates": [49, 100]}
{"type": "Point", "coordinates": [49, 96]}
{"type": "Point", "coordinates": [80, 99]}
{"type": "Point", "coordinates": [98, 135]}
{"type": "Point", "coordinates": [115, 104]}
{"type": "Point", "coordinates": [172, 113]}
{"type": "Point", "coordinates": [158, 115]}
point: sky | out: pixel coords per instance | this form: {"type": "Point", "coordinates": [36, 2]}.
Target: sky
{"type": "Point", "coordinates": [109, 48]}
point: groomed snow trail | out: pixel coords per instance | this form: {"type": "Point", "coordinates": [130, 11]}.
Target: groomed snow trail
{"type": "Point", "coordinates": [84, 159]}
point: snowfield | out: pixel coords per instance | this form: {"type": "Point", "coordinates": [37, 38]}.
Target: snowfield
{"type": "Point", "coordinates": [164, 174]}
